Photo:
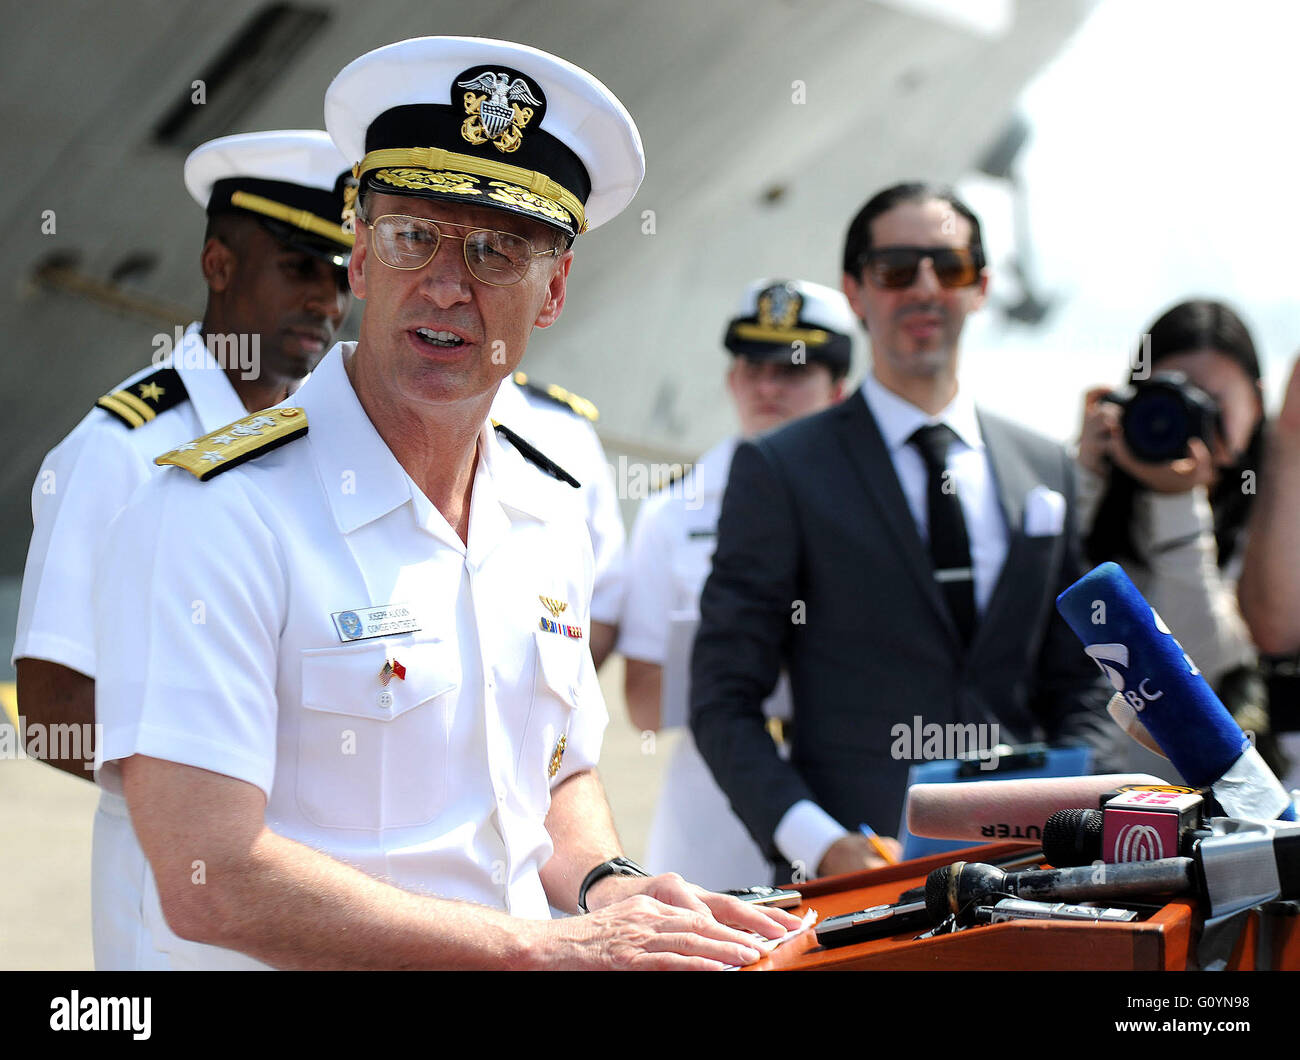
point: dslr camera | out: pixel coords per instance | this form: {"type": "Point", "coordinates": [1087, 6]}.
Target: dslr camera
{"type": "Point", "coordinates": [1163, 413]}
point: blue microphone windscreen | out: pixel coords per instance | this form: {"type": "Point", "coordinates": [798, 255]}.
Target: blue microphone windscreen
{"type": "Point", "coordinates": [1144, 662]}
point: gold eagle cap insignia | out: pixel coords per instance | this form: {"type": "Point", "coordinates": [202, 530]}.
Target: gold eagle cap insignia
{"type": "Point", "coordinates": [496, 115]}
{"type": "Point", "coordinates": [779, 306]}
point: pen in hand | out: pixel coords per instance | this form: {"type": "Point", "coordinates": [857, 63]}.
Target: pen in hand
{"type": "Point", "coordinates": [877, 845]}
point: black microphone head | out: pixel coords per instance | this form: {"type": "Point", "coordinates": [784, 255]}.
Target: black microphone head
{"type": "Point", "coordinates": [936, 893]}
{"type": "Point", "coordinates": [958, 887]}
{"type": "Point", "coordinates": [1072, 837]}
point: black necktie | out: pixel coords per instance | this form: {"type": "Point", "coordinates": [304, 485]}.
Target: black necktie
{"type": "Point", "coordinates": [949, 545]}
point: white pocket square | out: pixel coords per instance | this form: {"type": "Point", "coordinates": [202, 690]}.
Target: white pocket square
{"type": "Point", "coordinates": [1044, 512]}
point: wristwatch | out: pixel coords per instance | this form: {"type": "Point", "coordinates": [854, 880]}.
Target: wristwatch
{"type": "Point", "coordinates": [619, 866]}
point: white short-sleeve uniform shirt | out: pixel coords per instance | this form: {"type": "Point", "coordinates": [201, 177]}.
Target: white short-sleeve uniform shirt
{"type": "Point", "coordinates": [275, 594]}
{"type": "Point", "coordinates": [694, 831]}
{"type": "Point", "coordinates": [571, 441]}
{"type": "Point", "coordinates": [83, 483]}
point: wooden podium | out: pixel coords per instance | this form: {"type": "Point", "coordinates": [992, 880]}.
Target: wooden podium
{"type": "Point", "coordinates": [1165, 941]}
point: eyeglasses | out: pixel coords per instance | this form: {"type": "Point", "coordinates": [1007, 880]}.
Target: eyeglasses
{"type": "Point", "coordinates": [496, 258]}
{"type": "Point", "coordinates": [896, 267]}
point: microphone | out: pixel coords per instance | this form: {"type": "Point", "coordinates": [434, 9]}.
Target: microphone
{"type": "Point", "coordinates": [1241, 865]}
{"type": "Point", "coordinates": [987, 810]}
{"type": "Point", "coordinates": [957, 889]}
{"type": "Point", "coordinates": [1173, 703]}
{"type": "Point", "coordinates": [1133, 826]}
{"type": "Point", "coordinates": [1123, 715]}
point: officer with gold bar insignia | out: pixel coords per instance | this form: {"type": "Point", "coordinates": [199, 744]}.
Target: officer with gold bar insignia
{"type": "Point", "coordinates": [273, 260]}
{"type": "Point", "coordinates": [381, 740]}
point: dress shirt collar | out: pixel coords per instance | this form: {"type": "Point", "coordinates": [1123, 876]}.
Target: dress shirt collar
{"type": "Point", "coordinates": [898, 419]}
{"type": "Point", "coordinates": [510, 406]}
{"type": "Point", "coordinates": [214, 399]}
{"type": "Point", "coordinates": [364, 481]}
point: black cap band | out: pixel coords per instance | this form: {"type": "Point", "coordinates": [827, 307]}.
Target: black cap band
{"type": "Point", "coordinates": [420, 124]}
{"type": "Point", "coordinates": [324, 204]}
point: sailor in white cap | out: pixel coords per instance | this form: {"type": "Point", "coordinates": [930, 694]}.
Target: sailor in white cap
{"type": "Point", "coordinates": [274, 258]}
{"type": "Point", "coordinates": [380, 740]}
{"type": "Point", "coordinates": [791, 343]}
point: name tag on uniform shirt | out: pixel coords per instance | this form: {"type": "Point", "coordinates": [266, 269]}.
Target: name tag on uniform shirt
{"type": "Point", "coordinates": [386, 620]}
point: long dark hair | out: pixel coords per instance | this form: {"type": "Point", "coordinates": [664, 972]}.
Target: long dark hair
{"type": "Point", "coordinates": [1198, 324]}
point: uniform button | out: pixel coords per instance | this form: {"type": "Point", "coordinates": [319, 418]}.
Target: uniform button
{"type": "Point", "coordinates": [385, 699]}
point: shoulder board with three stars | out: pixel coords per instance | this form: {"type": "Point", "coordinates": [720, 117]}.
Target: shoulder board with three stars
{"type": "Point", "coordinates": [532, 453]}
{"type": "Point", "coordinates": [236, 442]}
{"type": "Point", "coordinates": [560, 396]}
{"type": "Point", "coordinates": [141, 402]}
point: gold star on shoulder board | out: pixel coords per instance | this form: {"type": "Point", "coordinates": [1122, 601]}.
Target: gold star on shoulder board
{"type": "Point", "coordinates": [239, 441]}
{"type": "Point", "coordinates": [151, 391]}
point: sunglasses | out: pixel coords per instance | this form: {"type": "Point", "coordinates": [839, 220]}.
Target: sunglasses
{"type": "Point", "coordinates": [496, 258]}
{"type": "Point", "coordinates": [896, 267]}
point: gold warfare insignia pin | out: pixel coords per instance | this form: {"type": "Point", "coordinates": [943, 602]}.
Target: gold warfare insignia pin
{"type": "Point", "coordinates": [557, 756]}
{"type": "Point", "coordinates": [496, 114]}
{"type": "Point", "coordinates": [778, 307]}
{"type": "Point", "coordinates": [557, 608]}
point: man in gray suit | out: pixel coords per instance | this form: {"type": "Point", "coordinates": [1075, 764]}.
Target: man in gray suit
{"type": "Point", "coordinates": [900, 555]}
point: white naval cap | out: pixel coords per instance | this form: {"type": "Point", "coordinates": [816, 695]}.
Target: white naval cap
{"type": "Point", "coordinates": [773, 314]}
{"type": "Point", "coordinates": [293, 180]}
{"type": "Point", "coordinates": [487, 123]}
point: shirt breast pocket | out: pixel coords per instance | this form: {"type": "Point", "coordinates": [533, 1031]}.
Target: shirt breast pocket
{"type": "Point", "coordinates": [556, 695]}
{"type": "Point", "coordinates": [373, 755]}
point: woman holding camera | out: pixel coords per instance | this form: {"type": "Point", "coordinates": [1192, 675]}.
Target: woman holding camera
{"type": "Point", "coordinates": [1173, 519]}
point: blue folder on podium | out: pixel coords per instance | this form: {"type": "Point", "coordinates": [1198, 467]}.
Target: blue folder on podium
{"type": "Point", "coordinates": [1025, 762]}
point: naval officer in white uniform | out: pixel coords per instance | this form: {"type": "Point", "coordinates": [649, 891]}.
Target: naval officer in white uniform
{"type": "Point", "coordinates": [791, 344]}
{"type": "Point", "coordinates": [274, 259]}
{"type": "Point", "coordinates": [355, 717]}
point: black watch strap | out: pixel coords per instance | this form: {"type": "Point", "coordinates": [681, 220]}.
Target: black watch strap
{"type": "Point", "coordinates": [619, 866]}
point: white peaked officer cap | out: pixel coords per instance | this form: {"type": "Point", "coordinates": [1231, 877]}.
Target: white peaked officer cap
{"type": "Point", "coordinates": [775, 314]}
{"type": "Point", "coordinates": [487, 123]}
{"type": "Point", "coordinates": [291, 180]}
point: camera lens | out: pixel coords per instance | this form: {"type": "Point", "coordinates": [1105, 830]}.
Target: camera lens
{"type": "Point", "coordinates": [1157, 424]}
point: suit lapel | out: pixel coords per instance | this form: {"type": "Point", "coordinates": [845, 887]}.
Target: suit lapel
{"type": "Point", "coordinates": [867, 453]}
{"type": "Point", "coordinates": [1014, 477]}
